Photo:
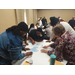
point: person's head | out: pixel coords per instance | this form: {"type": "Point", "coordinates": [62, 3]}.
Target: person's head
{"type": "Point", "coordinates": [54, 21]}
{"type": "Point", "coordinates": [37, 24]}
{"type": "Point", "coordinates": [32, 25]}
{"type": "Point", "coordinates": [39, 31]}
{"type": "Point", "coordinates": [40, 18]}
{"type": "Point", "coordinates": [73, 18]}
{"type": "Point", "coordinates": [21, 29]}
{"type": "Point", "coordinates": [44, 17]}
{"type": "Point", "coordinates": [58, 30]}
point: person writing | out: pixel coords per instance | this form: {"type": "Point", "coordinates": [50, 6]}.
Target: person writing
{"type": "Point", "coordinates": [36, 35]}
{"type": "Point", "coordinates": [11, 44]}
{"type": "Point", "coordinates": [64, 46]}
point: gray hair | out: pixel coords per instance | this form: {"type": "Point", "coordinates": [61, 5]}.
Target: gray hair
{"type": "Point", "coordinates": [58, 29]}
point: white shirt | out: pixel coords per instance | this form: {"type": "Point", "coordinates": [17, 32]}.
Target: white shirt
{"type": "Point", "coordinates": [40, 22]}
{"type": "Point", "coordinates": [31, 29]}
{"type": "Point", "coordinates": [67, 28]}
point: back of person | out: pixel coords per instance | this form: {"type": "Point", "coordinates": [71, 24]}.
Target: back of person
{"type": "Point", "coordinates": [69, 49]}
{"type": "Point", "coordinates": [48, 31]}
{"type": "Point", "coordinates": [33, 35]}
{"type": "Point", "coordinates": [68, 28]}
{"type": "Point", "coordinates": [72, 23]}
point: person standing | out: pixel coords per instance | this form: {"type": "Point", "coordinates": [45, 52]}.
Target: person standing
{"type": "Point", "coordinates": [72, 22]}
{"type": "Point", "coordinates": [44, 21]}
{"type": "Point", "coordinates": [40, 22]}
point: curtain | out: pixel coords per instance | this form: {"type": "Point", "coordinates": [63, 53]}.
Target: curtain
{"type": "Point", "coordinates": [20, 15]}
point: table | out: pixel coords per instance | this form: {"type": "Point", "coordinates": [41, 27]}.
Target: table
{"type": "Point", "coordinates": [38, 57]}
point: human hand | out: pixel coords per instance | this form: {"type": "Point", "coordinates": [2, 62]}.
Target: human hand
{"type": "Point", "coordinates": [33, 42]}
{"type": "Point", "coordinates": [27, 43]}
{"type": "Point", "coordinates": [24, 45]}
{"type": "Point", "coordinates": [27, 49]}
{"type": "Point", "coordinates": [44, 50]}
{"type": "Point", "coordinates": [48, 41]}
{"type": "Point", "coordinates": [28, 53]}
{"type": "Point", "coordinates": [45, 46]}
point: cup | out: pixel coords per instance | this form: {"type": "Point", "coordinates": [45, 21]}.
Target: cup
{"type": "Point", "coordinates": [52, 59]}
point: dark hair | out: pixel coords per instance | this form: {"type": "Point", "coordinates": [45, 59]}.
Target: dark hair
{"type": "Point", "coordinates": [40, 17]}
{"type": "Point", "coordinates": [22, 26]}
{"type": "Point", "coordinates": [58, 29]}
{"type": "Point", "coordinates": [37, 23]}
{"type": "Point", "coordinates": [39, 29]}
{"type": "Point", "coordinates": [14, 29]}
{"type": "Point", "coordinates": [31, 25]}
{"type": "Point", "coordinates": [54, 21]}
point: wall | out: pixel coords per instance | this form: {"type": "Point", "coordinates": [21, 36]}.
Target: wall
{"type": "Point", "coordinates": [31, 15]}
{"type": "Point", "coordinates": [19, 15]}
{"type": "Point", "coordinates": [7, 19]}
{"type": "Point", "coordinates": [35, 16]}
{"type": "Point", "coordinates": [65, 14]}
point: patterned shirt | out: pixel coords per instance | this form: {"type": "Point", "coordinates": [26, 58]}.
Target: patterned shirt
{"type": "Point", "coordinates": [64, 47]}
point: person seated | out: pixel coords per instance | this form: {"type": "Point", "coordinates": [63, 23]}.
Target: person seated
{"type": "Point", "coordinates": [36, 35]}
{"type": "Point", "coordinates": [45, 26]}
{"type": "Point", "coordinates": [64, 46]}
{"type": "Point", "coordinates": [50, 34]}
{"type": "Point", "coordinates": [60, 19]}
{"type": "Point", "coordinates": [37, 25]}
{"type": "Point", "coordinates": [31, 27]}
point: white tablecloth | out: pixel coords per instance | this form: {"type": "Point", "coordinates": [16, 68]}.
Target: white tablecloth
{"type": "Point", "coordinates": [38, 57]}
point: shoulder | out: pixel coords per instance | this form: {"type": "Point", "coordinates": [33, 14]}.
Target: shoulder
{"type": "Point", "coordinates": [15, 41]}
{"type": "Point", "coordinates": [33, 30]}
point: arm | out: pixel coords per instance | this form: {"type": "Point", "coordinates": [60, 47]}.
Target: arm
{"type": "Point", "coordinates": [15, 53]}
{"type": "Point", "coordinates": [26, 42]}
{"type": "Point", "coordinates": [58, 49]}
{"type": "Point", "coordinates": [38, 40]}
{"type": "Point", "coordinates": [33, 42]}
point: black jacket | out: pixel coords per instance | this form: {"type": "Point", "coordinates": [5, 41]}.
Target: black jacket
{"type": "Point", "coordinates": [44, 21]}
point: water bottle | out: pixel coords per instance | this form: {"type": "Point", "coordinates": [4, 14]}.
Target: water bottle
{"type": "Point", "coordinates": [52, 59]}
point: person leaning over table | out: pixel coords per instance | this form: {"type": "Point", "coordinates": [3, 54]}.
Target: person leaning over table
{"type": "Point", "coordinates": [64, 46]}
{"type": "Point", "coordinates": [55, 21]}
{"type": "Point", "coordinates": [36, 35]}
{"type": "Point", "coordinates": [11, 44]}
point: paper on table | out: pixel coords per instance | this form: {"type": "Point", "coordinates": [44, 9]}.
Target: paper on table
{"type": "Point", "coordinates": [26, 63]}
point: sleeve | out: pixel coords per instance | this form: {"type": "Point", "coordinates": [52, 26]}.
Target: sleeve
{"type": "Point", "coordinates": [59, 45]}
{"type": "Point", "coordinates": [15, 53]}
{"type": "Point", "coordinates": [52, 45]}
{"type": "Point", "coordinates": [30, 34]}
{"type": "Point", "coordinates": [46, 21]}
{"type": "Point", "coordinates": [23, 47]}
{"type": "Point", "coordinates": [51, 34]}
